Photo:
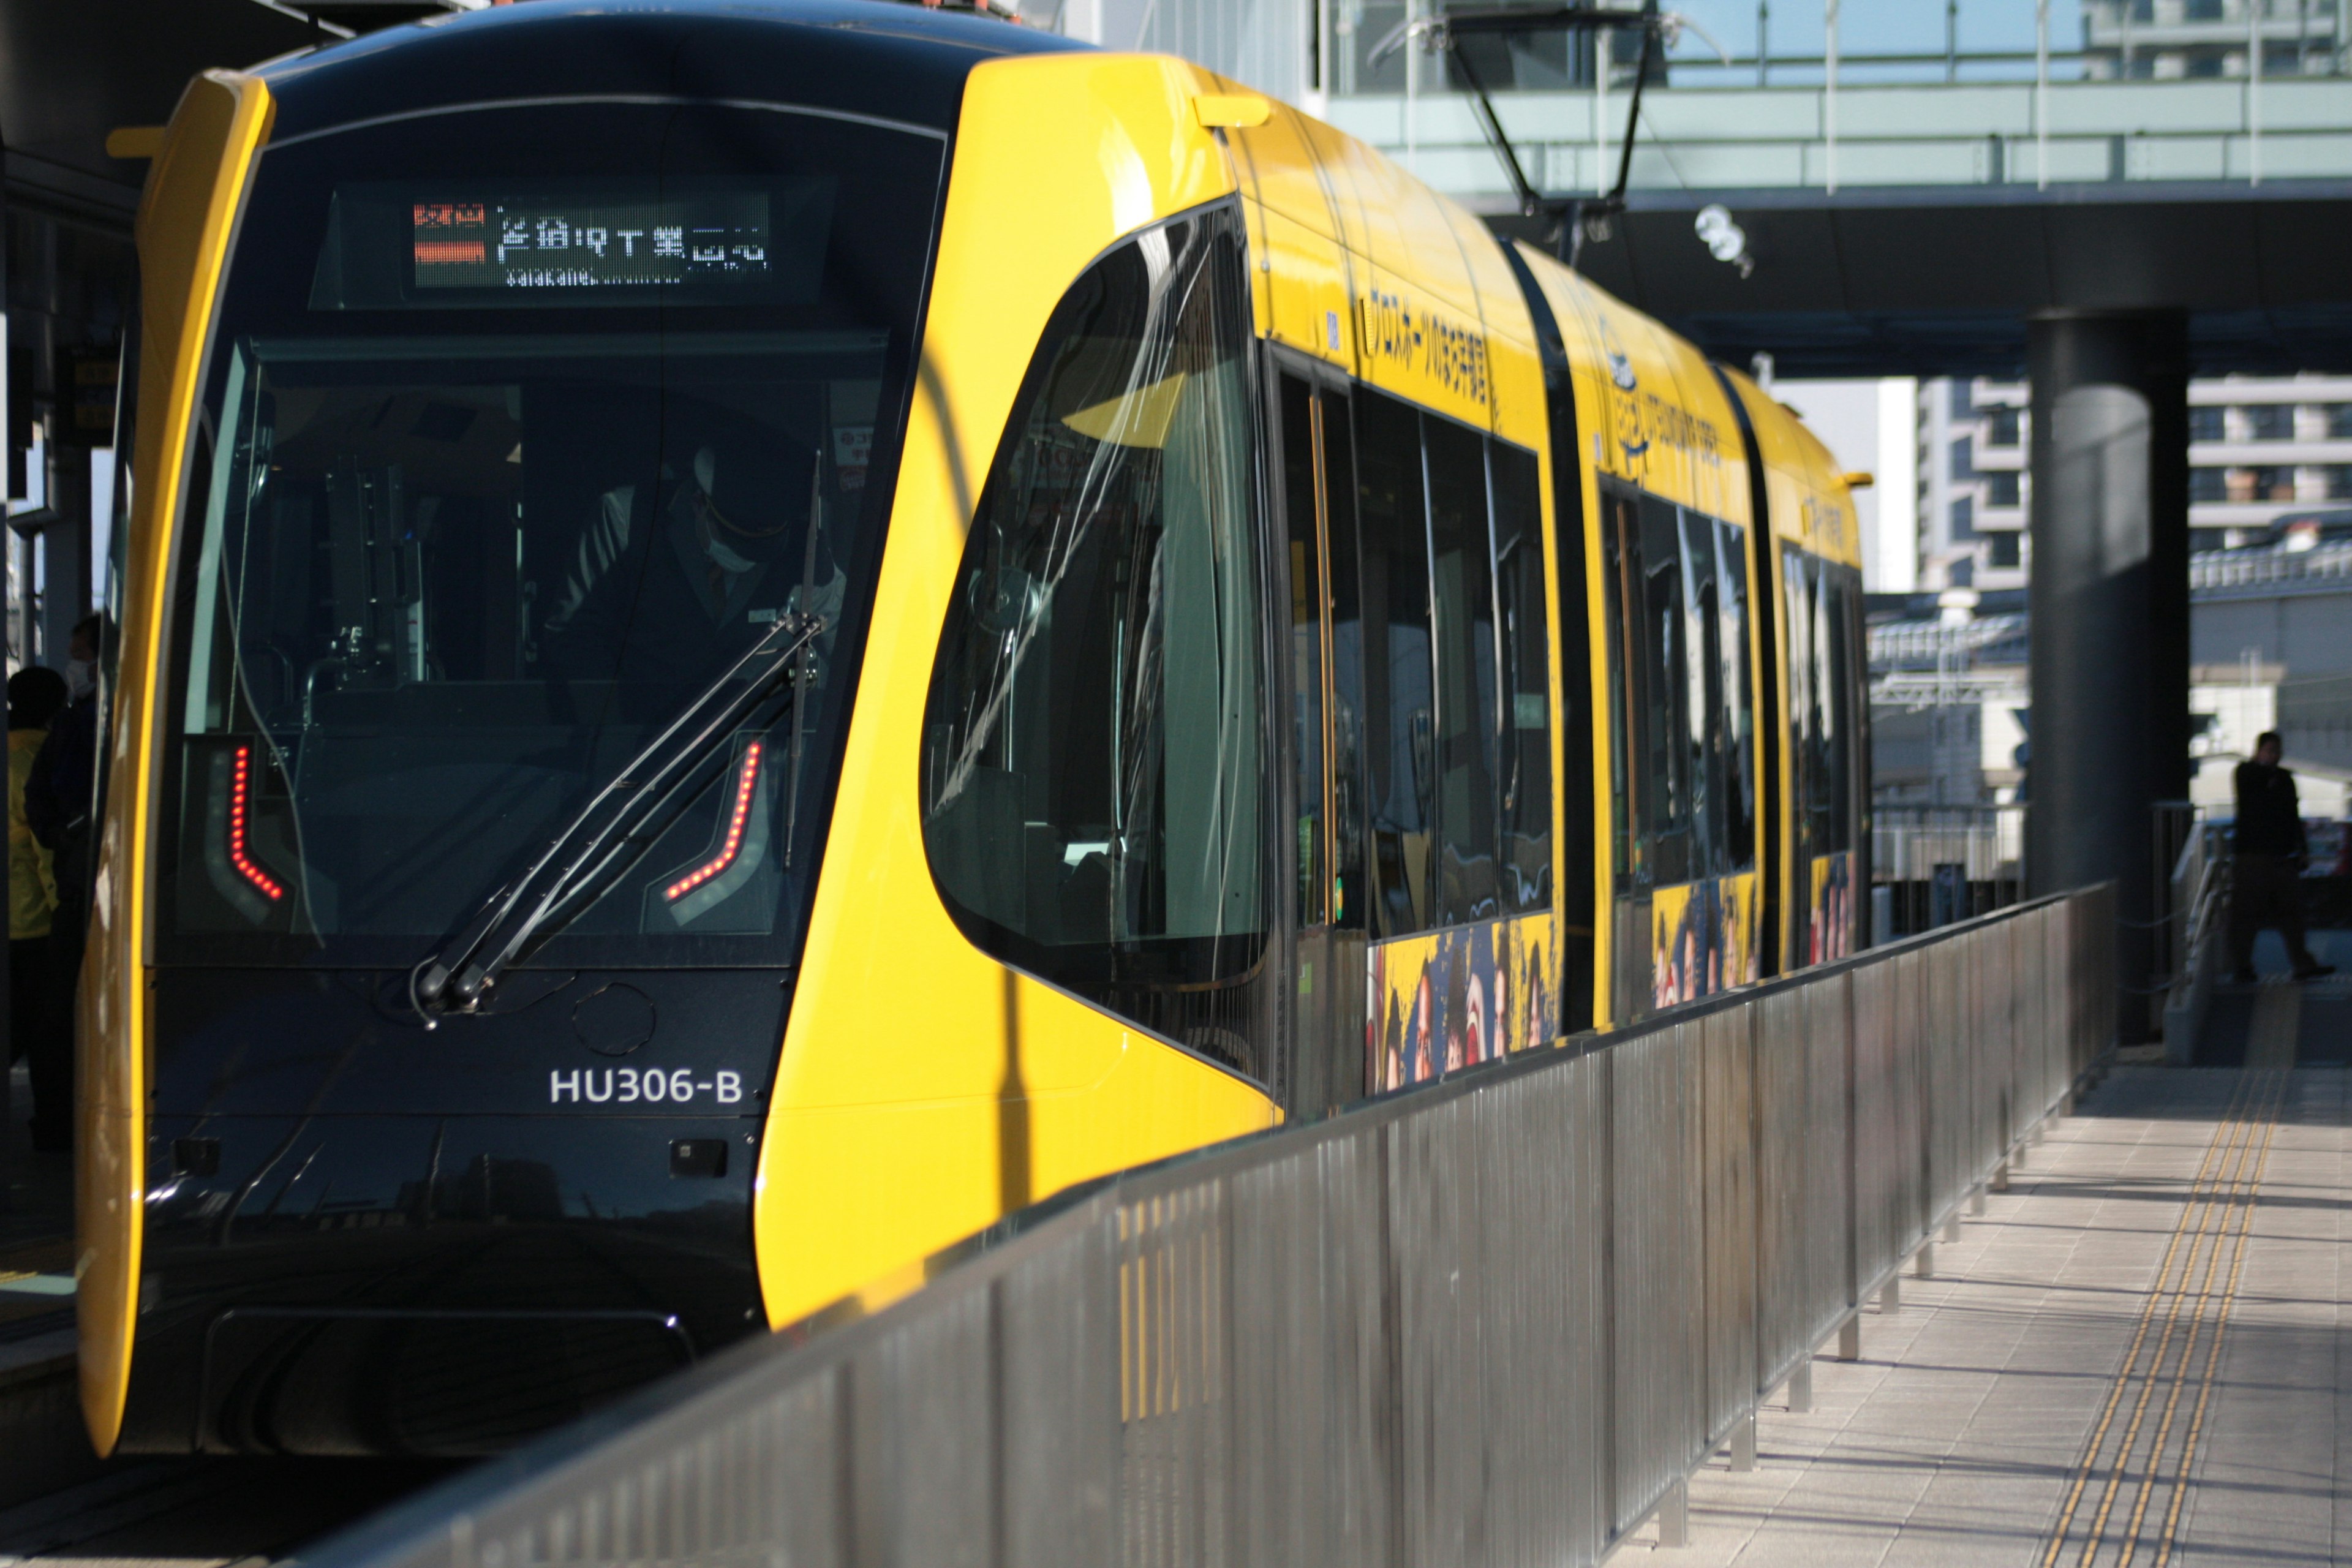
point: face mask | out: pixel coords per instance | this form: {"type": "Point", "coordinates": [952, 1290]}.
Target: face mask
{"type": "Point", "coordinates": [81, 678]}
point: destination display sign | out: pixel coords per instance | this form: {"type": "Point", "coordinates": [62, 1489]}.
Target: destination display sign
{"type": "Point", "coordinates": [460, 241]}
{"type": "Point", "coordinates": [468, 242]}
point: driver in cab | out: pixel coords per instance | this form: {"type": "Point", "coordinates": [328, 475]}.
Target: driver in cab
{"type": "Point", "coordinates": [668, 587]}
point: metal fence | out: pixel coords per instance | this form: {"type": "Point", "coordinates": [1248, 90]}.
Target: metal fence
{"type": "Point", "coordinates": [1911, 843]}
{"type": "Point", "coordinates": [1935, 864]}
{"type": "Point", "coordinates": [1499, 1320]}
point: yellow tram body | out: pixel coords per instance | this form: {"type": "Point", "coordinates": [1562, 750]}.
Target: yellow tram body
{"type": "Point", "coordinates": [925, 1086]}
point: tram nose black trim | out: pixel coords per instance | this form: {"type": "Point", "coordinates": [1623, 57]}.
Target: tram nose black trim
{"type": "Point", "coordinates": [698, 1157]}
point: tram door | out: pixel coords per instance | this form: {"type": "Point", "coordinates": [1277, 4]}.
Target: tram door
{"type": "Point", "coordinates": [1316, 478]}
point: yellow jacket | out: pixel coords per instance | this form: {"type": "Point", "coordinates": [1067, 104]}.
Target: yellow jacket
{"type": "Point", "coordinates": [32, 887]}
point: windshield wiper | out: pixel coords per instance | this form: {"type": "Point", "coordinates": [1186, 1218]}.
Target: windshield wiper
{"type": "Point", "coordinates": [577, 859]}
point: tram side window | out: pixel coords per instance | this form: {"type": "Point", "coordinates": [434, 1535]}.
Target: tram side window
{"type": "Point", "coordinates": [1805, 719]}
{"type": "Point", "coordinates": [1351, 899]}
{"type": "Point", "coordinates": [1738, 799]}
{"type": "Point", "coordinates": [1526, 641]}
{"type": "Point", "coordinates": [1681, 710]}
{"type": "Point", "coordinates": [1702, 734]}
{"type": "Point", "coordinates": [1667, 816]}
{"type": "Point", "coordinates": [1296, 412]}
{"type": "Point", "coordinates": [1469, 732]}
{"type": "Point", "coordinates": [1400, 737]}
{"type": "Point", "coordinates": [1817, 716]}
{"type": "Point", "coordinates": [1093, 780]}
{"type": "Point", "coordinates": [1620, 550]}
{"type": "Point", "coordinates": [1833, 679]}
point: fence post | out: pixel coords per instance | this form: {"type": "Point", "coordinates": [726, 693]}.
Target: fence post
{"type": "Point", "coordinates": [1673, 1515]}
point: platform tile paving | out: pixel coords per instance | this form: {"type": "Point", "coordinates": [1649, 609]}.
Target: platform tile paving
{"type": "Point", "coordinates": [2052, 1397]}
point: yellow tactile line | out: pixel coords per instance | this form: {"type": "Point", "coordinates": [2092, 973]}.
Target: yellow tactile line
{"type": "Point", "coordinates": [2196, 1209]}
{"type": "Point", "coordinates": [2236, 1164]}
{"type": "Point", "coordinates": [2212, 1364]}
{"type": "Point", "coordinates": [2278, 1020]}
{"type": "Point", "coordinates": [2273, 1096]}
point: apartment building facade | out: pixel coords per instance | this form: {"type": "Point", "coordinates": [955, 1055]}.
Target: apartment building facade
{"type": "Point", "coordinates": [2270, 464]}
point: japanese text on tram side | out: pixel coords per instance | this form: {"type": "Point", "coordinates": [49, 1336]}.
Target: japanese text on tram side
{"type": "Point", "coordinates": [634, 1086]}
{"type": "Point", "coordinates": [1392, 329]}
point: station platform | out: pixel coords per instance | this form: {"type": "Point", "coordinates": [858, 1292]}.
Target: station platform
{"type": "Point", "coordinates": [36, 1228]}
{"type": "Point", "coordinates": [2134, 1355]}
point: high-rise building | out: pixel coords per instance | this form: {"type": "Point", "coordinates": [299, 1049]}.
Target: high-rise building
{"type": "Point", "coordinates": [2270, 460]}
{"type": "Point", "coordinates": [1973, 487]}
{"type": "Point", "coordinates": [2270, 521]}
{"type": "Point", "coordinates": [2168, 40]}
{"type": "Point", "coordinates": [2270, 463]}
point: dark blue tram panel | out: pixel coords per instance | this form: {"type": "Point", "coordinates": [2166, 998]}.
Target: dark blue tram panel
{"type": "Point", "coordinates": [357, 1208]}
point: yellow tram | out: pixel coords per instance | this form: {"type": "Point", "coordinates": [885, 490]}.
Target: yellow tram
{"type": "Point", "coordinates": [753, 635]}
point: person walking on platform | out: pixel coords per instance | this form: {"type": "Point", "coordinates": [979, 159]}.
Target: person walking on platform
{"type": "Point", "coordinates": [35, 697]}
{"type": "Point", "coordinates": [2266, 866]}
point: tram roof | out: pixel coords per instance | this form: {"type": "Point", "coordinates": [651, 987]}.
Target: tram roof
{"type": "Point", "coordinates": [871, 56]}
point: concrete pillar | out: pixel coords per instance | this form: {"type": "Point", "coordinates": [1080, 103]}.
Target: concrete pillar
{"type": "Point", "coordinates": [2110, 613]}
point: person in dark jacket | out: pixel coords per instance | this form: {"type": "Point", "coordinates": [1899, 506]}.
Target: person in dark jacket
{"type": "Point", "coordinates": [35, 697]}
{"type": "Point", "coordinates": [671, 581]}
{"type": "Point", "coordinates": [2267, 867]}
{"type": "Point", "coordinates": [61, 808]}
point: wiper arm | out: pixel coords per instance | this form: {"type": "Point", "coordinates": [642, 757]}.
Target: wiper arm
{"type": "Point", "coordinates": [454, 978]}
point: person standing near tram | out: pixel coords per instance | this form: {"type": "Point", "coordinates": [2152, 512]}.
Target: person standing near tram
{"type": "Point", "coordinates": [35, 697]}
{"type": "Point", "coordinates": [2266, 865]}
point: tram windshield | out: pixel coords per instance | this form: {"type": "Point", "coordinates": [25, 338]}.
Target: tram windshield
{"type": "Point", "coordinates": [502, 464]}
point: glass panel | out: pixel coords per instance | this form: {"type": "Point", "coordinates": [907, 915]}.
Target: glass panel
{"type": "Point", "coordinates": [1364, 26]}
{"type": "Point", "coordinates": [1301, 519]}
{"type": "Point", "coordinates": [1804, 715]}
{"type": "Point", "coordinates": [1703, 695]}
{"type": "Point", "coordinates": [1739, 720]}
{"type": "Point", "coordinates": [1351, 893]}
{"type": "Point", "coordinates": [1399, 739]}
{"type": "Point", "coordinates": [1544, 56]}
{"type": "Point", "coordinates": [453, 564]}
{"type": "Point", "coordinates": [1092, 779]}
{"type": "Point", "coordinates": [1469, 729]}
{"type": "Point", "coordinates": [1621, 535]}
{"type": "Point", "coordinates": [1667, 820]}
{"type": "Point", "coordinates": [1527, 803]}
{"type": "Point", "coordinates": [1832, 641]}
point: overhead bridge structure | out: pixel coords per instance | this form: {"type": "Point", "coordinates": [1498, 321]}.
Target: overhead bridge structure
{"type": "Point", "coordinates": [1500, 1320]}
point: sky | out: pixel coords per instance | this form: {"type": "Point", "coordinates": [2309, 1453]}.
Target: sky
{"type": "Point", "coordinates": [1876, 27]}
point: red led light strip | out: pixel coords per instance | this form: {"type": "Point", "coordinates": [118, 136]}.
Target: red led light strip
{"type": "Point", "coordinates": [445, 252]}
{"type": "Point", "coordinates": [238, 788]}
{"type": "Point", "coordinates": [727, 851]}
